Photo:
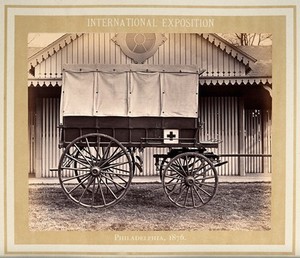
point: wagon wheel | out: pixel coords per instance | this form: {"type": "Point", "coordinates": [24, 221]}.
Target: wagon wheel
{"type": "Point", "coordinates": [95, 170]}
{"type": "Point", "coordinates": [84, 149]}
{"type": "Point", "coordinates": [190, 180]}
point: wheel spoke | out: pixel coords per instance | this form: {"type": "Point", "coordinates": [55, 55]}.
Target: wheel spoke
{"type": "Point", "coordinates": [80, 169]}
{"type": "Point", "coordinates": [102, 195]}
{"type": "Point", "coordinates": [192, 195]}
{"type": "Point", "coordinates": [122, 170]}
{"type": "Point", "coordinates": [207, 177]}
{"type": "Point", "coordinates": [114, 156]}
{"type": "Point", "coordinates": [75, 145]}
{"type": "Point", "coordinates": [114, 165]}
{"type": "Point", "coordinates": [93, 192]}
{"type": "Point", "coordinates": [193, 167]}
{"type": "Point", "coordinates": [175, 188]}
{"type": "Point", "coordinates": [176, 183]}
{"type": "Point", "coordinates": [115, 183]}
{"type": "Point", "coordinates": [172, 166]}
{"type": "Point", "coordinates": [74, 177]}
{"type": "Point", "coordinates": [85, 189]}
{"type": "Point", "coordinates": [109, 188]}
{"type": "Point", "coordinates": [92, 157]}
{"type": "Point", "coordinates": [80, 183]}
{"type": "Point", "coordinates": [203, 190]}
{"type": "Point", "coordinates": [175, 177]}
{"type": "Point", "coordinates": [203, 172]}
{"type": "Point", "coordinates": [113, 173]}
{"type": "Point", "coordinates": [186, 197]}
{"type": "Point", "coordinates": [171, 180]}
{"type": "Point", "coordinates": [106, 152]}
{"type": "Point", "coordinates": [187, 164]}
{"type": "Point", "coordinates": [182, 188]}
{"type": "Point", "coordinates": [97, 147]}
{"type": "Point", "coordinates": [201, 199]}
{"type": "Point", "coordinates": [70, 161]}
{"type": "Point", "coordinates": [182, 169]}
{"type": "Point", "coordinates": [89, 148]}
{"type": "Point", "coordinates": [77, 160]}
{"type": "Point", "coordinates": [117, 175]}
{"type": "Point", "coordinates": [212, 186]}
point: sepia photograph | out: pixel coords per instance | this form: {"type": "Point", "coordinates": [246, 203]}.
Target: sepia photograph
{"type": "Point", "coordinates": [149, 131]}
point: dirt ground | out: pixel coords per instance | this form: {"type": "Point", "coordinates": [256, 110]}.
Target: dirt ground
{"type": "Point", "coordinates": [237, 206]}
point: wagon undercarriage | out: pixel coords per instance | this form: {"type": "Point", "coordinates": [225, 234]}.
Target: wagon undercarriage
{"type": "Point", "coordinates": [96, 170]}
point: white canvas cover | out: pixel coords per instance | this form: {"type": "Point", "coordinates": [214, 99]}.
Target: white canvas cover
{"type": "Point", "coordinates": [77, 94]}
{"type": "Point", "coordinates": [179, 94]}
{"type": "Point", "coordinates": [144, 98]}
{"type": "Point", "coordinates": [133, 93]}
{"type": "Point", "coordinates": [111, 96]}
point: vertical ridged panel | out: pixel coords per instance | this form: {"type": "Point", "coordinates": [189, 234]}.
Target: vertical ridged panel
{"type": "Point", "coordinates": [179, 49]}
{"type": "Point", "coordinates": [50, 136]}
{"type": "Point", "coordinates": [219, 118]}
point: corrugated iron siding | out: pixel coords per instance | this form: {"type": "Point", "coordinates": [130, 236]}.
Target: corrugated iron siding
{"type": "Point", "coordinates": [179, 49]}
{"type": "Point", "coordinates": [258, 140]}
{"type": "Point", "coordinates": [50, 136]}
{"type": "Point", "coordinates": [219, 118]}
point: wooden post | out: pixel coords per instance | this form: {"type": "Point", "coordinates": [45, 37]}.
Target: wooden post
{"type": "Point", "coordinates": [38, 140]}
{"type": "Point", "coordinates": [241, 160]}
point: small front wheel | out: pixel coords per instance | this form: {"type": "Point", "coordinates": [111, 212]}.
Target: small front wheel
{"type": "Point", "coordinates": [190, 180]}
{"type": "Point", "coordinates": [95, 170]}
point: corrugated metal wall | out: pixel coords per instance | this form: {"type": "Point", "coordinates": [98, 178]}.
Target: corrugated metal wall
{"type": "Point", "coordinates": [179, 49]}
{"type": "Point", "coordinates": [219, 117]}
{"type": "Point", "coordinates": [258, 140]}
{"type": "Point", "coordinates": [50, 136]}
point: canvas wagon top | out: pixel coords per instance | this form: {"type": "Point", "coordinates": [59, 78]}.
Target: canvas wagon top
{"type": "Point", "coordinates": [132, 103]}
{"type": "Point", "coordinates": [130, 91]}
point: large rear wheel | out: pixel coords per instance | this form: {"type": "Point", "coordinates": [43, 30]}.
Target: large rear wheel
{"type": "Point", "coordinates": [95, 170]}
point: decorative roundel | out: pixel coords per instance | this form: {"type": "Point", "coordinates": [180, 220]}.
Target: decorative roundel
{"type": "Point", "coordinates": [139, 46]}
{"type": "Point", "coordinates": [140, 42]}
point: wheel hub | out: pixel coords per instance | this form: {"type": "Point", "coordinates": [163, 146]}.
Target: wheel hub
{"type": "Point", "coordinates": [190, 180]}
{"type": "Point", "coordinates": [95, 171]}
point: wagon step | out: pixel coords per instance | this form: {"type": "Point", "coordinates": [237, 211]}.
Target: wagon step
{"type": "Point", "coordinates": [139, 167]}
{"type": "Point", "coordinates": [221, 163]}
{"type": "Point", "coordinates": [139, 164]}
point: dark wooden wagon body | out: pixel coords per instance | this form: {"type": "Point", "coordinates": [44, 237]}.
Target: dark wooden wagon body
{"type": "Point", "coordinates": [136, 132]}
{"type": "Point", "coordinates": [103, 150]}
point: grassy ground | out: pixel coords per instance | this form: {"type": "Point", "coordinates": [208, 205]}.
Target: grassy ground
{"type": "Point", "coordinates": [237, 206]}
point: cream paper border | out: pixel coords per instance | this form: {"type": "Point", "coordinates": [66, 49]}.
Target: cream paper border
{"type": "Point", "coordinates": [16, 100]}
{"type": "Point", "coordinates": [2, 114]}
